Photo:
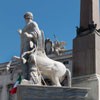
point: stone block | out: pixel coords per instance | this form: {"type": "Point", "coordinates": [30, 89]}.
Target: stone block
{"type": "Point", "coordinates": [27, 92]}
{"type": "Point", "coordinates": [86, 54]}
{"type": "Point", "coordinates": [89, 81]}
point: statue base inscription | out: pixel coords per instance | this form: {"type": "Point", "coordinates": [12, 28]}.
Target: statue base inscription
{"type": "Point", "coordinates": [30, 92]}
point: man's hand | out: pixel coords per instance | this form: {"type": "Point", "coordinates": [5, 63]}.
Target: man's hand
{"type": "Point", "coordinates": [28, 35]}
{"type": "Point", "coordinates": [19, 31]}
{"type": "Point", "coordinates": [24, 60]}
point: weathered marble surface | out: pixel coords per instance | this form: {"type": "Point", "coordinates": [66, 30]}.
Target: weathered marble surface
{"type": "Point", "coordinates": [27, 92]}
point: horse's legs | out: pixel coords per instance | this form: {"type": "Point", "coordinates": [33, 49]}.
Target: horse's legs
{"type": "Point", "coordinates": [56, 81]}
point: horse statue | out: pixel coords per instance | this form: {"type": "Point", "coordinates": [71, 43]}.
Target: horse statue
{"type": "Point", "coordinates": [34, 58]}
{"type": "Point", "coordinates": [54, 70]}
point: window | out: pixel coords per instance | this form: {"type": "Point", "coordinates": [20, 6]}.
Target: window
{"type": "Point", "coordinates": [66, 62]}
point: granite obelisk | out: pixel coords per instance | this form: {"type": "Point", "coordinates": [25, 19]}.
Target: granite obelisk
{"type": "Point", "coordinates": [86, 46]}
{"type": "Point", "coordinates": [86, 49]}
{"type": "Point", "coordinates": [89, 13]}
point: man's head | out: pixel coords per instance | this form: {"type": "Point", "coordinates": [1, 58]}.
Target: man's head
{"type": "Point", "coordinates": [28, 15]}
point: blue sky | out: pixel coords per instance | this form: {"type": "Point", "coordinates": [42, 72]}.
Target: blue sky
{"type": "Point", "coordinates": [59, 17]}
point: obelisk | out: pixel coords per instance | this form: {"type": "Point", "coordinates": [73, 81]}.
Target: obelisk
{"type": "Point", "coordinates": [89, 12]}
{"type": "Point", "coordinates": [86, 49]}
{"type": "Point", "coordinates": [86, 44]}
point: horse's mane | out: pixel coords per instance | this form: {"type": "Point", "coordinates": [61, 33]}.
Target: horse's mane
{"type": "Point", "coordinates": [41, 41]}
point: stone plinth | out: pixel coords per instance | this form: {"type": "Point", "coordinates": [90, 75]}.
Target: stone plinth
{"type": "Point", "coordinates": [89, 81]}
{"type": "Point", "coordinates": [27, 92]}
{"type": "Point", "coordinates": [86, 54]}
{"type": "Point", "coordinates": [86, 63]}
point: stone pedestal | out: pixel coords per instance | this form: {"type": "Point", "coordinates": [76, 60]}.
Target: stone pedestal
{"type": "Point", "coordinates": [86, 63]}
{"type": "Point", "coordinates": [86, 54]}
{"type": "Point", "coordinates": [89, 81]}
{"type": "Point", "coordinates": [27, 92]}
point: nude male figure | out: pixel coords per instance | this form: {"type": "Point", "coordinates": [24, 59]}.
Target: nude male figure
{"type": "Point", "coordinates": [28, 38]}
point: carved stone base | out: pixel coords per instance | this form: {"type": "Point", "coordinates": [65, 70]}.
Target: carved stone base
{"type": "Point", "coordinates": [27, 92]}
{"type": "Point", "coordinates": [89, 81]}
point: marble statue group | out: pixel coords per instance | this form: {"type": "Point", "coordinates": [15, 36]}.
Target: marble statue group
{"type": "Point", "coordinates": [35, 63]}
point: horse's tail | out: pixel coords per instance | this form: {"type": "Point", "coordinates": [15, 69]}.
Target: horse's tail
{"type": "Point", "coordinates": [68, 73]}
{"type": "Point", "coordinates": [66, 79]}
